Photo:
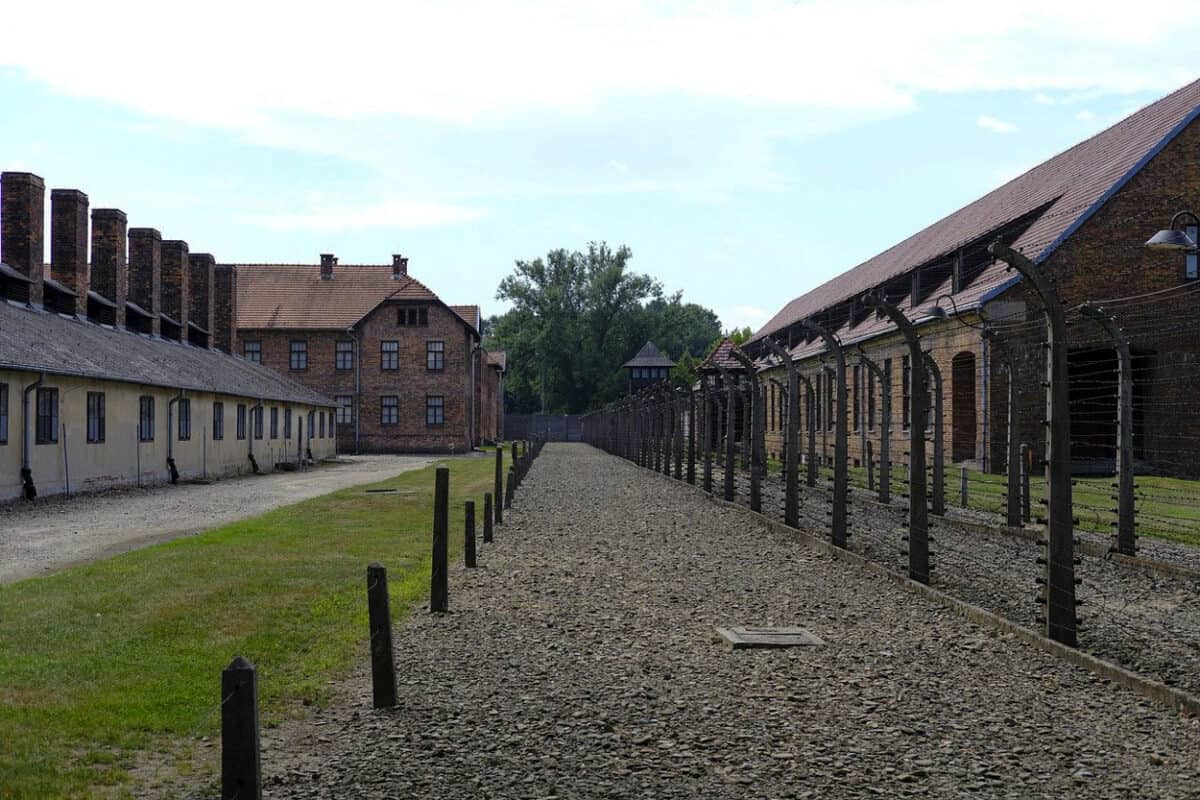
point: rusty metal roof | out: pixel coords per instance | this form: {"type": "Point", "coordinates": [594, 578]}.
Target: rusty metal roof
{"type": "Point", "coordinates": [1071, 186]}
{"type": "Point", "coordinates": [41, 341]}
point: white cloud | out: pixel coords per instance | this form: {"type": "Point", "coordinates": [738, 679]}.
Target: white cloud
{"type": "Point", "coordinates": [1085, 116]}
{"type": "Point", "coordinates": [1041, 98]}
{"type": "Point", "coordinates": [739, 316]}
{"type": "Point", "coordinates": [243, 65]}
{"type": "Point", "coordinates": [387, 214]}
{"type": "Point", "coordinates": [995, 125]}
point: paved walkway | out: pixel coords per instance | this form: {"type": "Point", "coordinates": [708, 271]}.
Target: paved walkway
{"type": "Point", "coordinates": [58, 532]}
{"type": "Point", "coordinates": [578, 661]}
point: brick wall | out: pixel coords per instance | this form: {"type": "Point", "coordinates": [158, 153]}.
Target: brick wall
{"type": "Point", "coordinates": [411, 383]}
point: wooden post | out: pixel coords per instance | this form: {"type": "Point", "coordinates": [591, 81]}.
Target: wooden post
{"type": "Point", "coordinates": [241, 765]}
{"type": "Point", "coordinates": [498, 487]}
{"type": "Point", "coordinates": [509, 487]}
{"type": "Point", "coordinates": [438, 589]}
{"type": "Point", "coordinates": [487, 517]}
{"type": "Point", "coordinates": [706, 403]}
{"type": "Point", "coordinates": [962, 487]}
{"type": "Point", "coordinates": [469, 536]}
{"type": "Point", "coordinates": [383, 668]}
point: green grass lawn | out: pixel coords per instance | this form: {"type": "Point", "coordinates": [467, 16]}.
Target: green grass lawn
{"type": "Point", "coordinates": [1167, 508]}
{"type": "Point", "coordinates": [125, 655]}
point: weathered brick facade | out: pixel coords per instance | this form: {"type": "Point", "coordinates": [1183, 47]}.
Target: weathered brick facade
{"type": "Point", "coordinates": [1093, 248]}
{"type": "Point", "coordinates": [430, 390]}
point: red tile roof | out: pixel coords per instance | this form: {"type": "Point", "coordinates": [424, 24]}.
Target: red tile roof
{"type": "Point", "coordinates": [470, 314]}
{"type": "Point", "coordinates": [721, 357]}
{"type": "Point", "coordinates": [1072, 185]}
{"type": "Point", "coordinates": [293, 296]}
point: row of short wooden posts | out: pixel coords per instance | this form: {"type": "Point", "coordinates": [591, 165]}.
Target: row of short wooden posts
{"type": "Point", "coordinates": [241, 766]}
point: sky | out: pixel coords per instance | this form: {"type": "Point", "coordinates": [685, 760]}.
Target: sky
{"type": "Point", "coordinates": [745, 151]}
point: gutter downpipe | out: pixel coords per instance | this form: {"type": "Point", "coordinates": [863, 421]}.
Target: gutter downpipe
{"type": "Point", "coordinates": [472, 350]}
{"type": "Point", "coordinates": [171, 437]}
{"type": "Point", "coordinates": [357, 388]}
{"type": "Point", "coordinates": [255, 411]}
{"type": "Point", "coordinates": [28, 488]}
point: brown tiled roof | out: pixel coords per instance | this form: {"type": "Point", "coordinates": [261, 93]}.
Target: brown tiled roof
{"type": "Point", "coordinates": [721, 357]}
{"type": "Point", "coordinates": [1072, 186]}
{"type": "Point", "coordinates": [293, 296]}
{"type": "Point", "coordinates": [498, 358]}
{"type": "Point", "coordinates": [649, 356]}
{"type": "Point", "coordinates": [470, 314]}
{"type": "Point", "coordinates": [39, 341]}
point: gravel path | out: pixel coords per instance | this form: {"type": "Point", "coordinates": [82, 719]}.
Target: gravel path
{"type": "Point", "coordinates": [578, 661]}
{"type": "Point", "coordinates": [1147, 622]}
{"type": "Point", "coordinates": [55, 533]}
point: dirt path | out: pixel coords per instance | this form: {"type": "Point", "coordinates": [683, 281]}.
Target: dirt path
{"type": "Point", "coordinates": [47, 537]}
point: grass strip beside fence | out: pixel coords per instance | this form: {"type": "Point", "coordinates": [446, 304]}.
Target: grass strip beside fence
{"type": "Point", "coordinates": [104, 660]}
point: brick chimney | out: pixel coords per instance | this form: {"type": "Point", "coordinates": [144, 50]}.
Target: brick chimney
{"type": "Point", "coordinates": [110, 273]}
{"type": "Point", "coordinates": [175, 303]}
{"type": "Point", "coordinates": [200, 288]}
{"type": "Point", "coordinates": [145, 272]}
{"type": "Point", "coordinates": [328, 260]}
{"type": "Point", "coordinates": [69, 243]}
{"type": "Point", "coordinates": [224, 336]}
{"type": "Point", "coordinates": [399, 267]}
{"type": "Point", "coordinates": [22, 227]}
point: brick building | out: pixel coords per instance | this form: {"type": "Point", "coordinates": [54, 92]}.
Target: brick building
{"type": "Point", "coordinates": [1083, 217]}
{"type": "Point", "coordinates": [407, 370]}
{"type": "Point", "coordinates": [118, 371]}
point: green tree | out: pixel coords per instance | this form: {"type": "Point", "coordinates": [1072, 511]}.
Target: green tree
{"type": "Point", "coordinates": [576, 317]}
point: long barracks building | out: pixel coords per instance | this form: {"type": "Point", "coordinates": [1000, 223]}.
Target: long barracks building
{"type": "Point", "coordinates": [1083, 217]}
{"type": "Point", "coordinates": [118, 371]}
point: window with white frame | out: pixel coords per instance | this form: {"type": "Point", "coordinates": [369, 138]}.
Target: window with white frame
{"type": "Point", "coordinates": [252, 350]}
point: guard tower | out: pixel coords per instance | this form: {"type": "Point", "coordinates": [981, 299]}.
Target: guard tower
{"type": "Point", "coordinates": [647, 368]}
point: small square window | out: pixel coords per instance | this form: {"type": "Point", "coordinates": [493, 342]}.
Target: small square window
{"type": "Point", "coordinates": [252, 351]}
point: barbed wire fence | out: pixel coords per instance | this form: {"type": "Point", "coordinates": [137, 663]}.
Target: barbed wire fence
{"type": "Point", "coordinates": [1125, 548]}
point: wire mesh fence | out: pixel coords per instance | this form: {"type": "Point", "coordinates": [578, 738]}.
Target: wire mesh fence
{"type": "Point", "coordinates": [828, 447]}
